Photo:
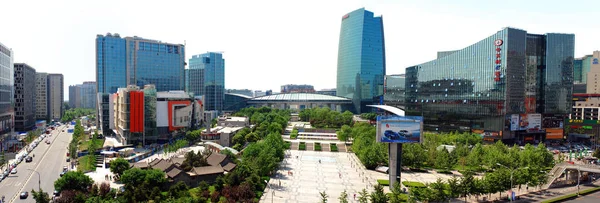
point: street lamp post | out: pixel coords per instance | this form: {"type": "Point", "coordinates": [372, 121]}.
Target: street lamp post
{"type": "Point", "coordinates": [511, 177]}
{"type": "Point", "coordinates": [39, 179]}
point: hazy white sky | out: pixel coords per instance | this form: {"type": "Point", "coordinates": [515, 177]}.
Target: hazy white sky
{"type": "Point", "coordinates": [271, 43]}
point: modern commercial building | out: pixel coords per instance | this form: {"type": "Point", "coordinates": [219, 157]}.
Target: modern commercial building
{"type": "Point", "coordinates": [331, 91]}
{"type": "Point", "coordinates": [235, 102]}
{"type": "Point", "coordinates": [207, 78]}
{"type": "Point", "coordinates": [83, 95]}
{"type": "Point", "coordinates": [299, 101]}
{"type": "Point", "coordinates": [144, 116]}
{"type": "Point", "coordinates": [394, 90]}
{"type": "Point", "coordinates": [591, 71]}
{"type": "Point", "coordinates": [297, 89]}
{"type": "Point", "coordinates": [510, 85]}
{"type": "Point", "coordinates": [361, 58]}
{"type": "Point", "coordinates": [246, 92]}
{"type": "Point", "coordinates": [41, 96]}
{"type": "Point", "coordinates": [55, 96]}
{"type": "Point", "coordinates": [24, 97]}
{"type": "Point", "coordinates": [138, 61]}
{"type": "Point", "coordinates": [6, 95]}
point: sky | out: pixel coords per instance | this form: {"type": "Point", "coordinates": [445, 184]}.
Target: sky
{"type": "Point", "coordinates": [267, 44]}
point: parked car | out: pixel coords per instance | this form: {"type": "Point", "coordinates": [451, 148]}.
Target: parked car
{"type": "Point", "coordinates": [62, 173]}
{"type": "Point", "coordinates": [68, 159]}
{"type": "Point", "coordinates": [404, 133]}
{"type": "Point", "coordinates": [14, 171]}
{"type": "Point", "coordinates": [24, 195]}
{"type": "Point", "coordinates": [56, 193]}
{"type": "Point", "coordinates": [29, 159]}
{"type": "Point", "coordinates": [65, 168]}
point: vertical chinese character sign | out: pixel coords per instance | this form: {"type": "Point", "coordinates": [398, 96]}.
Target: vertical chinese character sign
{"type": "Point", "coordinates": [498, 61]}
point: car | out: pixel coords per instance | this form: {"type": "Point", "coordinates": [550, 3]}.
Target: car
{"type": "Point", "coordinates": [62, 173]}
{"type": "Point", "coordinates": [65, 168]}
{"type": "Point", "coordinates": [404, 133]}
{"type": "Point", "coordinates": [47, 141]}
{"type": "Point", "coordinates": [24, 195]}
{"type": "Point", "coordinates": [68, 159]}
{"type": "Point", "coordinates": [14, 171]}
{"type": "Point", "coordinates": [28, 159]}
{"type": "Point", "coordinates": [390, 134]}
{"type": "Point", "coordinates": [56, 193]}
{"type": "Point", "coordinates": [1, 177]}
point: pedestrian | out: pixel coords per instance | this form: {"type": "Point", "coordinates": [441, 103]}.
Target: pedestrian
{"type": "Point", "coordinates": [354, 196]}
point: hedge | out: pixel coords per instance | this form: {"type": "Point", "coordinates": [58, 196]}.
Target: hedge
{"type": "Point", "coordinates": [334, 147]}
{"type": "Point", "coordinates": [317, 146]}
{"type": "Point", "coordinates": [413, 184]}
{"type": "Point", "coordinates": [302, 146]}
{"type": "Point", "coordinates": [383, 182]}
{"type": "Point", "coordinates": [287, 145]}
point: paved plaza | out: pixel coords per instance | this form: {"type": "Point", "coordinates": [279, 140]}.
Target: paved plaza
{"type": "Point", "coordinates": [336, 172]}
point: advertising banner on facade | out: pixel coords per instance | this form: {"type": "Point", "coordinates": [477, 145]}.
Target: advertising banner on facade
{"type": "Point", "coordinates": [529, 122]}
{"type": "Point", "coordinates": [399, 129]}
{"type": "Point", "coordinates": [514, 122]}
{"type": "Point", "coordinates": [554, 133]}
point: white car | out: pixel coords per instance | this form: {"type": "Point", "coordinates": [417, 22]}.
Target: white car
{"type": "Point", "coordinates": [14, 171]}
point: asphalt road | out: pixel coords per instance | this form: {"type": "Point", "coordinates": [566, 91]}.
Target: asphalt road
{"type": "Point", "coordinates": [590, 198]}
{"type": "Point", "coordinates": [48, 161]}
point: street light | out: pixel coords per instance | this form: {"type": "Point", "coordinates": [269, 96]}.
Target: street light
{"type": "Point", "coordinates": [272, 191]}
{"type": "Point", "coordinates": [39, 180]}
{"type": "Point", "coordinates": [578, 178]}
{"type": "Point", "coordinates": [511, 176]}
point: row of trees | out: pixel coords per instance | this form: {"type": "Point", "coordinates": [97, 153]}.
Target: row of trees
{"type": "Point", "coordinates": [72, 114]}
{"type": "Point", "coordinates": [370, 152]}
{"type": "Point", "coordinates": [325, 117]}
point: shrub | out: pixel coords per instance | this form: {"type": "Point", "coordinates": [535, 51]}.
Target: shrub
{"type": "Point", "coordinates": [302, 146]}
{"type": "Point", "coordinates": [413, 184]}
{"type": "Point", "coordinates": [317, 146]}
{"type": "Point", "coordinates": [287, 145]}
{"type": "Point", "coordinates": [383, 182]}
{"type": "Point", "coordinates": [334, 147]}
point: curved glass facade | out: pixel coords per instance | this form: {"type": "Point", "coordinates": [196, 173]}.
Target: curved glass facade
{"type": "Point", "coordinates": [361, 57]}
{"type": "Point", "coordinates": [506, 73]}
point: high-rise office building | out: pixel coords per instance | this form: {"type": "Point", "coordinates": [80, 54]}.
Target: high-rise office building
{"type": "Point", "coordinates": [394, 89]}
{"type": "Point", "coordinates": [41, 96]}
{"type": "Point", "coordinates": [361, 58]}
{"type": "Point", "coordinates": [24, 97]}
{"type": "Point", "coordinates": [207, 78]}
{"type": "Point", "coordinates": [75, 96]}
{"type": "Point", "coordinates": [55, 96]}
{"type": "Point", "coordinates": [509, 85]}
{"type": "Point", "coordinates": [590, 66]}
{"type": "Point", "coordinates": [138, 61]}
{"type": "Point", "coordinates": [6, 95]}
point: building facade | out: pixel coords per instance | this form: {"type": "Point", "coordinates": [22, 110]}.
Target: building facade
{"type": "Point", "coordinates": [41, 96]}
{"type": "Point", "coordinates": [24, 97]}
{"type": "Point", "coordinates": [246, 92]}
{"type": "Point", "coordinates": [331, 92]}
{"type": "Point", "coordinates": [361, 58]}
{"type": "Point", "coordinates": [207, 78]}
{"type": "Point", "coordinates": [591, 70]}
{"type": "Point", "coordinates": [55, 96]}
{"type": "Point", "coordinates": [75, 96]}
{"type": "Point", "coordinates": [298, 101]}
{"type": "Point", "coordinates": [394, 90]}
{"type": "Point", "coordinates": [297, 89]}
{"type": "Point", "coordinates": [6, 95]}
{"type": "Point", "coordinates": [501, 86]}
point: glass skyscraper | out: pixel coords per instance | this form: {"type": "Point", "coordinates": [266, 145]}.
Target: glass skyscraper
{"type": "Point", "coordinates": [207, 78]}
{"type": "Point", "coordinates": [6, 94]}
{"type": "Point", "coordinates": [361, 58]}
{"type": "Point", "coordinates": [479, 87]}
{"type": "Point", "coordinates": [24, 97]}
{"type": "Point", "coordinates": [138, 61]}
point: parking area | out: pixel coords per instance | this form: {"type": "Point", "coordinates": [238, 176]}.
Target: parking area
{"type": "Point", "coordinates": [304, 174]}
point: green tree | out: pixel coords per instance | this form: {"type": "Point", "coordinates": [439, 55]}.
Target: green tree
{"type": "Point", "coordinates": [343, 197]}
{"type": "Point", "coordinates": [345, 133]}
{"type": "Point", "coordinates": [73, 180]}
{"type": "Point", "coordinates": [378, 196]}
{"type": "Point", "coordinates": [467, 184]}
{"type": "Point", "coordinates": [363, 196]}
{"type": "Point", "coordinates": [324, 197]}
{"type": "Point", "coordinates": [443, 159]}
{"type": "Point", "coordinates": [40, 196]}
{"type": "Point", "coordinates": [475, 158]}
{"type": "Point", "coordinates": [438, 190]}
{"type": "Point", "coordinates": [413, 155]}
{"type": "Point", "coordinates": [395, 195]}
{"type": "Point", "coordinates": [119, 165]}
{"type": "Point", "coordinates": [454, 187]}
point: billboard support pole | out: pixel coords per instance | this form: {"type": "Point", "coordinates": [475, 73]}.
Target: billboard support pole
{"type": "Point", "coordinates": [395, 163]}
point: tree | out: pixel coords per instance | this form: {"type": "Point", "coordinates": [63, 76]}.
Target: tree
{"type": "Point", "coordinates": [180, 189]}
{"type": "Point", "coordinates": [73, 180]}
{"type": "Point", "coordinates": [438, 190]}
{"type": "Point", "coordinates": [475, 158]}
{"type": "Point", "coordinates": [343, 197]}
{"type": "Point", "coordinates": [413, 155]}
{"type": "Point", "coordinates": [467, 184]}
{"type": "Point", "coordinates": [443, 159]}
{"type": "Point", "coordinates": [378, 196]}
{"type": "Point", "coordinates": [345, 133]}
{"type": "Point", "coordinates": [363, 196]}
{"type": "Point", "coordinates": [40, 196]}
{"type": "Point", "coordinates": [324, 197]}
{"type": "Point", "coordinates": [454, 187]}
{"type": "Point", "coordinates": [119, 165]}
{"type": "Point", "coordinates": [104, 189]}
{"type": "Point", "coordinates": [395, 196]}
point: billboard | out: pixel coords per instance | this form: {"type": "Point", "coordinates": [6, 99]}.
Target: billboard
{"type": "Point", "coordinates": [554, 133]}
{"type": "Point", "coordinates": [529, 122]}
{"type": "Point", "coordinates": [399, 129]}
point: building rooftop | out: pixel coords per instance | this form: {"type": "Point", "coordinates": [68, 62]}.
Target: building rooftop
{"type": "Point", "coordinates": [173, 95]}
{"type": "Point", "coordinates": [242, 119]}
{"type": "Point", "coordinates": [229, 129]}
{"type": "Point", "coordinates": [300, 97]}
{"type": "Point", "coordinates": [205, 170]}
{"type": "Point", "coordinates": [239, 95]}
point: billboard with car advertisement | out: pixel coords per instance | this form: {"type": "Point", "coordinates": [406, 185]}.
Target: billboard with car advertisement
{"type": "Point", "coordinates": [399, 129]}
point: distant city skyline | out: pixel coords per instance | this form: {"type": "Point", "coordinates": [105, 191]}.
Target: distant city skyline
{"type": "Point", "coordinates": [58, 36]}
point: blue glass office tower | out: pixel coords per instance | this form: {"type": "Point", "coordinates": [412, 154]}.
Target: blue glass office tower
{"type": "Point", "coordinates": [361, 58]}
{"type": "Point", "coordinates": [482, 87]}
{"type": "Point", "coordinates": [207, 78]}
{"type": "Point", "coordinates": [138, 61]}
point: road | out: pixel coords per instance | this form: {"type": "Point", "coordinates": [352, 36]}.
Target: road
{"type": "Point", "coordinates": [48, 161]}
{"type": "Point", "coordinates": [590, 198]}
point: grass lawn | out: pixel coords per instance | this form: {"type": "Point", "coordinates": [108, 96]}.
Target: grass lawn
{"type": "Point", "coordinates": [317, 146]}
{"type": "Point", "coordinates": [85, 142]}
{"type": "Point", "coordinates": [412, 184]}
{"type": "Point", "coordinates": [383, 182]}
{"type": "Point", "coordinates": [86, 163]}
{"type": "Point", "coordinates": [333, 147]}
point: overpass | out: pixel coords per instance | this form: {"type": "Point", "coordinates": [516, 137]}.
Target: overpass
{"type": "Point", "coordinates": [559, 169]}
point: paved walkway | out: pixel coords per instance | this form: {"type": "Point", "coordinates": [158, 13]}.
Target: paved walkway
{"type": "Point", "coordinates": [336, 172]}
